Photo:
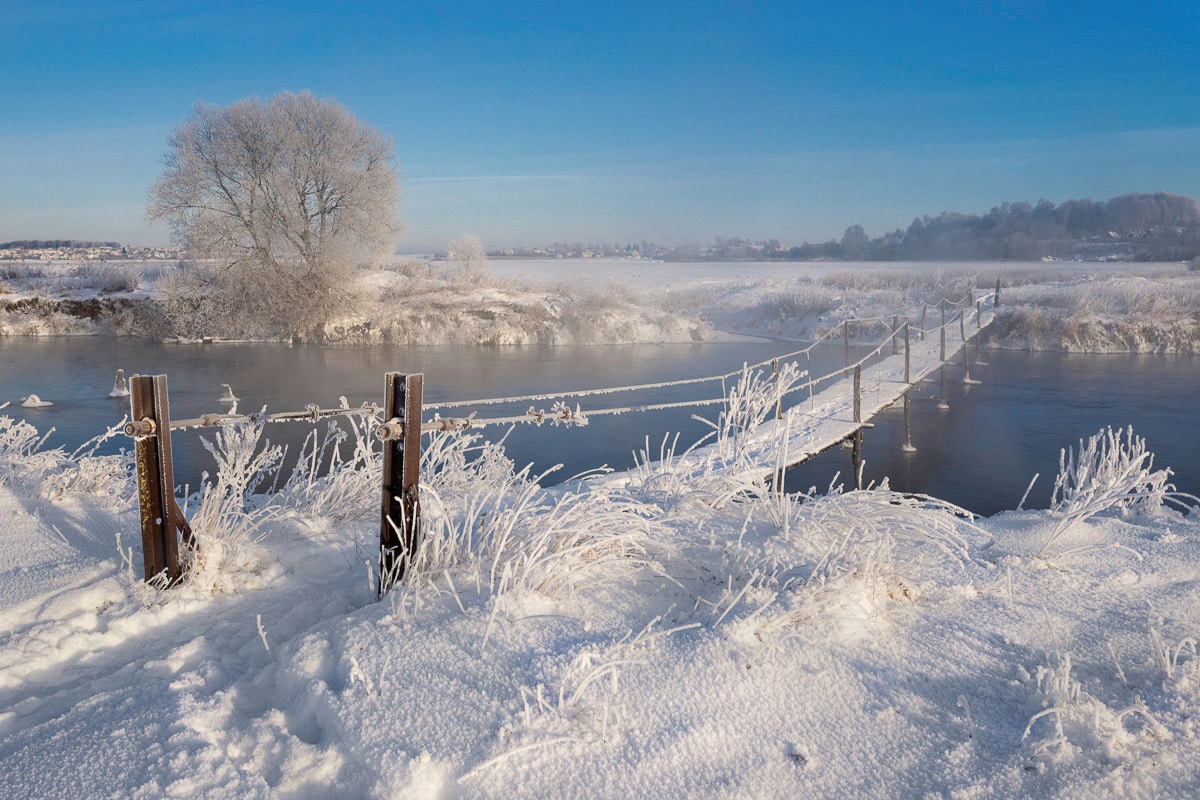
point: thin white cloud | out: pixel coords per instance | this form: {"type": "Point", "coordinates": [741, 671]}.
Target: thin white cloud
{"type": "Point", "coordinates": [469, 178]}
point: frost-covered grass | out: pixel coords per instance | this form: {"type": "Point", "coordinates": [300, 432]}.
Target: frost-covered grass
{"type": "Point", "coordinates": [680, 630]}
{"type": "Point", "coordinates": [1154, 313]}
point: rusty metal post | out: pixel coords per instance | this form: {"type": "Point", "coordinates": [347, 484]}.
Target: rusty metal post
{"type": "Point", "coordinates": [161, 519]}
{"type": "Point", "coordinates": [400, 526]}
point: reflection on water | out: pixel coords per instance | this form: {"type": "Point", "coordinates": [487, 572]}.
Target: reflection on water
{"type": "Point", "coordinates": [979, 453]}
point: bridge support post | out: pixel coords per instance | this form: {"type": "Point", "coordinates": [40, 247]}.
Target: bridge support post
{"type": "Point", "coordinates": [857, 457]}
{"type": "Point", "coordinates": [907, 447]}
{"type": "Point", "coordinates": [846, 339]}
{"type": "Point", "coordinates": [907, 356]}
{"type": "Point", "coordinates": [895, 329]}
{"type": "Point", "coordinates": [996, 302]}
{"type": "Point", "coordinates": [923, 309]}
{"type": "Point", "coordinates": [778, 393]}
{"type": "Point", "coordinates": [942, 330]}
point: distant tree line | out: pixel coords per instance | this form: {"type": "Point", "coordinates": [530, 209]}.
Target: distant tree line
{"type": "Point", "coordinates": [54, 244]}
{"type": "Point", "coordinates": [1138, 226]}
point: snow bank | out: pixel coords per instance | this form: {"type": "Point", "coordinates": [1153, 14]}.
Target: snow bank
{"type": "Point", "coordinates": [646, 636]}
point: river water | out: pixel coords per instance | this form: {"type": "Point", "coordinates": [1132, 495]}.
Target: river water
{"type": "Point", "coordinates": [980, 453]}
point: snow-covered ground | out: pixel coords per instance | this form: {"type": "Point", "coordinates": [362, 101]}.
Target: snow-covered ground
{"type": "Point", "coordinates": [676, 631]}
{"type": "Point", "coordinates": [1079, 307]}
{"type": "Point", "coordinates": [666, 632]}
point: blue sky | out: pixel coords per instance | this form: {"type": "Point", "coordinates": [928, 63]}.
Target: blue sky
{"type": "Point", "coordinates": [531, 122]}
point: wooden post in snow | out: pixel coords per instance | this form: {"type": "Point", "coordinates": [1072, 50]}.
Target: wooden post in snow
{"type": "Point", "coordinates": [942, 357]}
{"type": "Point", "coordinates": [162, 521]}
{"type": "Point", "coordinates": [895, 329]}
{"type": "Point", "coordinates": [858, 392]}
{"type": "Point", "coordinates": [846, 339]}
{"type": "Point", "coordinates": [996, 302]}
{"type": "Point", "coordinates": [907, 355]}
{"type": "Point", "coordinates": [400, 525]}
{"type": "Point", "coordinates": [778, 393]}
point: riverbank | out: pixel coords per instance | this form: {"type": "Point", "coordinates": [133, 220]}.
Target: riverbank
{"type": "Point", "coordinates": [1064, 306]}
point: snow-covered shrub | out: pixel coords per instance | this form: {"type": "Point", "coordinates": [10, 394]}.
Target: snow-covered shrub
{"type": "Point", "coordinates": [111, 479]}
{"type": "Point", "coordinates": [104, 277]}
{"type": "Point", "coordinates": [467, 261]}
{"type": "Point", "coordinates": [1112, 470]}
{"type": "Point", "coordinates": [811, 301]}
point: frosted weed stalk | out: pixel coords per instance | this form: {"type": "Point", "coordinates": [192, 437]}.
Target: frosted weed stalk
{"type": "Point", "coordinates": [747, 405]}
{"type": "Point", "coordinates": [491, 532]}
{"type": "Point", "coordinates": [229, 519]}
{"type": "Point", "coordinates": [1078, 722]}
{"type": "Point", "coordinates": [23, 462]}
{"type": "Point", "coordinates": [326, 483]}
{"type": "Point", "coordinates": [1112, 470]}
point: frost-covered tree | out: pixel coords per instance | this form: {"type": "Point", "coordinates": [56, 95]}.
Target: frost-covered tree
{"type": "Point", "coordinates": [467, 258]}
{"type": "Point", "coordinates": [279, 200]}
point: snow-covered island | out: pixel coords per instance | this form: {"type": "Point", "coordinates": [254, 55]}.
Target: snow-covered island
{"type": "Point", "coordinates": [678, 630]}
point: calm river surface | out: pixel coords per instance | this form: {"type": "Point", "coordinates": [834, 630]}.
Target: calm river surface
{"type": "Point", "coordinates": [980, 453]}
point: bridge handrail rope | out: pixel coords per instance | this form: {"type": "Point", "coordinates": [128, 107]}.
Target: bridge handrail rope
{"type": "Point", "coordinates": [560, 413]}
{"type": "Point", "coordinates": [529, 398]}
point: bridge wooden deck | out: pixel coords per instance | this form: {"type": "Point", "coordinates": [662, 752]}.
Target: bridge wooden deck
{"type": "Point", "coordinates": [814, 424]}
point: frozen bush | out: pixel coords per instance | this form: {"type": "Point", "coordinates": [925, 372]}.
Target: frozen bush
{"type": "Point", "coordinates": [104, 277]}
